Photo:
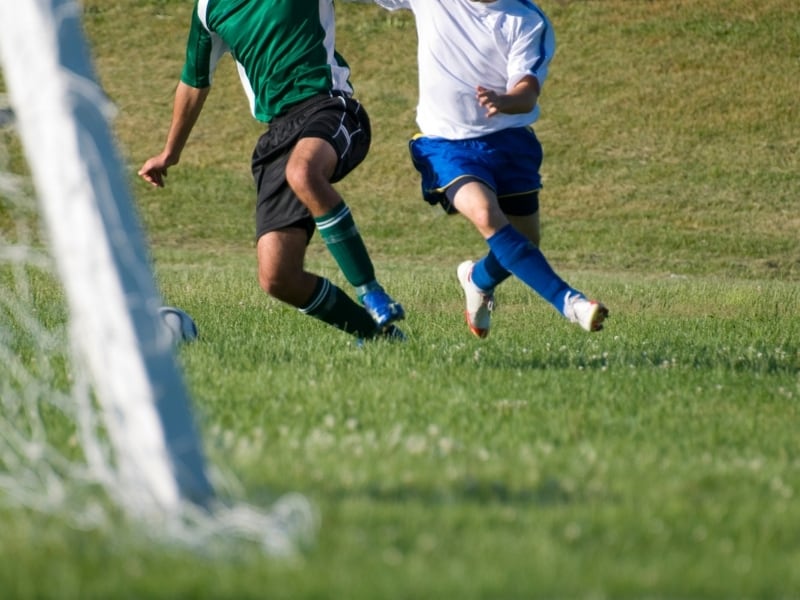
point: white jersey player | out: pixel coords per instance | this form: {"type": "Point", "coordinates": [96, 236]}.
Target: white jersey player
{"type": "Point", "coordinates": [482, 65]}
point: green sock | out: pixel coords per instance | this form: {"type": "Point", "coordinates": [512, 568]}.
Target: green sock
{"type": "Point", "coordinates": [339, 232]}
{"type": "Point", "coordinates": [331, 305]}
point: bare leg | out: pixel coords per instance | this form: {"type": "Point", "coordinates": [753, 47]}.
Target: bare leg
{"type": "Point", "coordinates": [527, 226]}
{"type": "Point", "coordinates": [512, 248]}
{"type": "Point", "coordinates": [308, 173]}
{"type": "Point", "coordinates": [282, 276]}
{"type": "Point", "coordinates": [281, 272]}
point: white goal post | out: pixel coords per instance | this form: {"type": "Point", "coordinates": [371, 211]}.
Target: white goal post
{"type": "Point", "coordinates": [94, 235]}
{"type": "Point", "coordinates": [126, 405]}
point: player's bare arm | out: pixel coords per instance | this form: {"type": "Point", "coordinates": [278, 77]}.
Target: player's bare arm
{"type": "Point", "coordinates": [186, 109]}
{"type": "Point", "coordinates": [522, 98]}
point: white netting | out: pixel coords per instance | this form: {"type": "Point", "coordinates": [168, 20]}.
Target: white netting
{"type": "Point", "coordinates": [55, 456]}
{"type": "Point", "coordinates": [94, 417]}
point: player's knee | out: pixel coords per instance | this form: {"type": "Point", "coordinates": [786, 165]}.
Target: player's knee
{"type": "Point", "coordinates": [304, 178]}
{"type": "Point", "coordinates": [482, 220]}
{"type": "Point", "coordinates": [276, 284]}
{"type": "Point", "coordinates": [267, 283]}
{"type": "Point", "coordinates": [298, 174]}
{"type": "Point", "coordinates": [486, 222]}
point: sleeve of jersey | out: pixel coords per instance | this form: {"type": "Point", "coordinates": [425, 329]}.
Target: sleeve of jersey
{"type": "Point", "coordinates": [531, 53]}
{"type": "Point", "coordinates": [203, 51]}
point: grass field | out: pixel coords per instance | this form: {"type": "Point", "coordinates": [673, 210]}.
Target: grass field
{"type": "Point", "coordinates": [657, 459]}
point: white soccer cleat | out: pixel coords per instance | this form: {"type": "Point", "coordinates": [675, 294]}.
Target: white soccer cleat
{"type": "Point", "coordinates": [479, 304]}
{"type": "Point", "coordinates": [589, 314]}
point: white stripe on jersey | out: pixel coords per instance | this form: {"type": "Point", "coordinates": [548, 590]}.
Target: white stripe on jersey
{"type": "Point", "coordinates": [218, 47]}
{"type": "Point", "coordinates": [339, 74]}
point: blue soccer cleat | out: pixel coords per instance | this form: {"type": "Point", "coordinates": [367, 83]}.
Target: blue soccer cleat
{"type": "Point", "coordinates": [383, 310]}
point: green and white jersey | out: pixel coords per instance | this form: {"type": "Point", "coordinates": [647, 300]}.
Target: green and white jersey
{"type": "Point", "coordinates": [284, 50]}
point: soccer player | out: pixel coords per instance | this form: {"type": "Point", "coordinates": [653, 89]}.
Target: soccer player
{"type": "Point", "coordinates": [317, 133]}
{"type": "Point", "coordinates": [482, 64]}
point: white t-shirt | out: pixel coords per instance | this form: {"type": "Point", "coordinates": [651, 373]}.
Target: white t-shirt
{"type": "Point", "coordinates": [463, 44]}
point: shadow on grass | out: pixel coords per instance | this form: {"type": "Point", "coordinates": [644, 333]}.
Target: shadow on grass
{"type": "Point", "coordinates": [762, 360]}
{"type": "Point", "coordinates": [549, 492]}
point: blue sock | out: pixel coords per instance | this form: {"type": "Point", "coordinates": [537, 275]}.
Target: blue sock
{"type": "Point", "coordinates": [488, 273]}
{"type": "Point", "coordinates": [516, 254]}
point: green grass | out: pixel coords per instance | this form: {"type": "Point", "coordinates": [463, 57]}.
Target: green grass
{"type": "Point", "coordinates": [657, 459]}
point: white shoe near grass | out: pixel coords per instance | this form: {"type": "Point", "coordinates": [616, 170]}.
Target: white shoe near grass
{"type": "Point", "coordinates": [589, 314]}
{"type": "Point", "coordinates": [480, 304]}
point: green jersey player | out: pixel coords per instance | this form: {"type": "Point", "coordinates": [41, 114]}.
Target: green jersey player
{"type": "Point", "coordinates": [298, 84]}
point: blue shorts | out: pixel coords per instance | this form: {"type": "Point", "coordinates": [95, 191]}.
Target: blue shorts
{"type": "Point", "coordinates": [507, 161]}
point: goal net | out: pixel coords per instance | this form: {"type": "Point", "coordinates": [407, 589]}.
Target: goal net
{"type": "Point", "coordinates": [94, 412]}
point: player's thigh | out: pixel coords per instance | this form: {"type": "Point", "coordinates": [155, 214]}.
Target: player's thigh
{"type": "Point", "coordinates": [478, 203]}
{"type": "Point", "coordinates": [528, 226]}
{"type": "Point", "coordinates": [344, 124]}
{"type": "Point", "coordinates": [311, 159]}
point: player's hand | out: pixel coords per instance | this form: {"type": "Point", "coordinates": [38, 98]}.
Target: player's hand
{"type": "Point", "coordinates": [522, 98]}
{"type": "Point", "coordinates": [490, 100]}
{"type": "Point", "coordinates": [154, 170]}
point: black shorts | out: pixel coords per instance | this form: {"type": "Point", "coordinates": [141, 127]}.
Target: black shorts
{"type": "Point", "coordinates": [340, 120]}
